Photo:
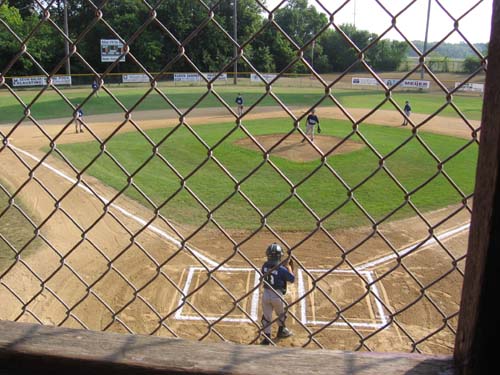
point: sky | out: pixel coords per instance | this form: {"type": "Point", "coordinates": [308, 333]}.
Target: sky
{"type": "Point", "coordinates": [369, 15]}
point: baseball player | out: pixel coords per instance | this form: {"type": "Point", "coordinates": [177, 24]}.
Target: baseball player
{"type": "Point", "coordinates": [407, 110]}
{"type": "Point", "coordinates": [95, 88]}
{"type": "Point", "coordinates": [79, 121]}
{"type": "Point", "coordinates": [311, 122]}
{"type": "Point", "coordinates": [239, 102]}
{"type": "Point", "coordinates": [276, 276]}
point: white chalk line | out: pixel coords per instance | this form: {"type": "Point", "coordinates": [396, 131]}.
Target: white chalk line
{"type": "Point", "coordinates": [254, 305]}
{"type": "Point", "coordinates": [139, 220]}
{"type": "Point", "coordinates": [418, 246]}
{"type": "Point", "coordinates": [375, 291]}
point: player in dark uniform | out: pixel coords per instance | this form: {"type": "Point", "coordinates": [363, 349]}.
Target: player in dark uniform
{"type": "Point", "coordinates": [407, 110]}
{"type": "Point", "coordinates": [311, 122]}
{"type": "Point", "coordinates": [276, 277]}
{"type": "Point", "coordinates": [95, 87]}
{"type": "Point", "coordinates": [239, 102]}
{"type": "Point", "coordinates": [79, 121]}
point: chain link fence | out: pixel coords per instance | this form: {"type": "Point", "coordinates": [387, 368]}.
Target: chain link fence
{"type": "Point", "coordinates": [155, 217]}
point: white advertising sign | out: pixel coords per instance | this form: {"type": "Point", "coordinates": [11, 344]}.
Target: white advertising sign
{"type": "Point", "coordinates": [364, 81]}
{"type": "Point", "coordinates": [474, 87]}
{"type": "Point", "coordinates": [111, 49]}
{"type": "Point", "coordinates": [407, 83]}
{"type": "Point", "coordinates": [40, 81]}
{"type": "Point", "coordinates": [267, 76]}
{"type": "Point", "coordinates": [195, 77]}
{"type": "Point", "coordinates": [210, 76]}
{"type": "Point", "coordinates": [186, 77]}
{"type": "Point", "coordinates": [135, 78]}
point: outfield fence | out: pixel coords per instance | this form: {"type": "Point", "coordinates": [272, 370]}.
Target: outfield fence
{"type": "Point", "coordinates": [294, 80]}
{"type": "Point", "coordinates": [388, 285]}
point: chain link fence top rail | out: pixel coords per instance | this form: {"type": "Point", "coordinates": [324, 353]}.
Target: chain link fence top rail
{"type": "Point", "coordinates": [155, 217]}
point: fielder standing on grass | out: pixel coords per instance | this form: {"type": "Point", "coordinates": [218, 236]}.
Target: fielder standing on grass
{"type": "Point", "coordinates": [407, 110]}
{"type": "Point", "coordinates": [239, 102]}
{"type": "Point", "coordinates": [79, 120]}
{"type": "Point", "coordinates": [276, 277]}
{"type": "Point", "coordinates": [311, 122]}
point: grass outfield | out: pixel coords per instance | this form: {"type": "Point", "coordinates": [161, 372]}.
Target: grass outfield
{"type": "Point", "coordinates": [51, 105]}
{"type": "Point", "coordinates": [320, 191]}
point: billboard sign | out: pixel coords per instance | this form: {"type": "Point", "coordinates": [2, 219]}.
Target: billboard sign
{"type": "Point", "coordinates": [111, 49]}
{"type": "Point", "coordinates": [40, 81]}
{"type": "Point", "coordinates": [407, 83]}
{"type": "Point", "coordinates": [474, 87]}
{"type": "Point", "coordinates": [135, 78]}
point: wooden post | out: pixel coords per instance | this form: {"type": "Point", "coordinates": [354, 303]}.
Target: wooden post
{"type": "Point", "coordinates": [478, 321]}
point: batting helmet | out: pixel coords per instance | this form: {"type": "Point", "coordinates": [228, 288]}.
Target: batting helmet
{"type": "Point", "coordinates": [274, 253]}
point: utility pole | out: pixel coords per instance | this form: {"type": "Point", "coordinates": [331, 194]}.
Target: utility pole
{"type": "Point", "coordinates": [426, 35]}
{"type": "Point", "coordinates": [313, 44]}
{"type": "Point", "coordinates": [354, 15]}
{"type": "Point", "coordinates": [66, 43]}
{"type": "Point", "coordinates": [235, 37]}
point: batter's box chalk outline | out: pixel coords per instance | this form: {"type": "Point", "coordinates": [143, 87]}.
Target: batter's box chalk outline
{"type": "Point", "coordinates": [253, 307]}
{"type": "Point", "coordinates": [383, 318]}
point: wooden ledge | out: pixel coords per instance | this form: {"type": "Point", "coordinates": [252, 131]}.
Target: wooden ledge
{"type": "Point", "coordinates": [32, 348]}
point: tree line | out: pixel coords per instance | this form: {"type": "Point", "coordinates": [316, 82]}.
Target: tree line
{"type": "Point", "coordinates": [270, 44]}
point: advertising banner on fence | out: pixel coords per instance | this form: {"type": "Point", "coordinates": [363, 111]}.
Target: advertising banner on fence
{"type": "Point", "coordinates": [267, 76]}
{"type": "Point", "coordinates": [195, 77]}
{"type": "Point", "coordinates": [135, 78]}
{"type": "Point", "coordinates": [474, 87]}
{"type": "Point", "coordinates": [111, 49]}
{"type": "Point", "coordinates": [361, 81]}
{"type": "Point", "coordinates": [407, 83]}
{"type": "Point", "coordinates": [40, 81]}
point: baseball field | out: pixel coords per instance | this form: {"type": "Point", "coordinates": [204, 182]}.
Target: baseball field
{"type": "Point", "coordinates": [155, 220]}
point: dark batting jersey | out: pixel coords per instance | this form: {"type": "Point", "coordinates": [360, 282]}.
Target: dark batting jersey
{"type": "Point", "coordinates": [407, 108]}
{"type": "Point", "coordinates": [239, 100]}
{"type": "Point", "coordinates": [312, 120]}
{"type": "Point", "coordinates": [277, 277]}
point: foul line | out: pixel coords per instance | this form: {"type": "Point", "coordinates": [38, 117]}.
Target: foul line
{"type": "Point", "coordinates": [419, 246]}
{"type": "Point", "coordinates": [139, 220]}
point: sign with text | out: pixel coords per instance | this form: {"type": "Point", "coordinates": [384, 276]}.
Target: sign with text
{"type": "Point", "coordinates": [407, 83]}
{"type": "Point", "coordinates": [195, 77]}
{"type": "Point", "coordinates": [474, 87]}
{"type": "Point", "coordinates": [40, 81]}
{"type": "Point", "coordinates": [135, 78]}
{"type": "Point", "coordinates": [111, 50]}
{"type": "Point", "coordinates": [267, 76]}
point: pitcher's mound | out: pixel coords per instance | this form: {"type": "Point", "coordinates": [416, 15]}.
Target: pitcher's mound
{"type": "Point", "coordinates": [291, 147]}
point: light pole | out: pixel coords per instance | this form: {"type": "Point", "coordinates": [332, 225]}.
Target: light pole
{"type": "Point", "coordinates": [312, 53]}
{"type": "Point", "coordinates": [426, 35]}
{"type": "Point", "coordinates": [235, 37]}
{"type": "Point", "coordinates": [66, 43]}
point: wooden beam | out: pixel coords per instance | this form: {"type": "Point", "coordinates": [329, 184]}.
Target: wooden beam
{"type": "Point", "coordinates": [31, 348]}
{"type": "Point", "coordinates": [478, 321]}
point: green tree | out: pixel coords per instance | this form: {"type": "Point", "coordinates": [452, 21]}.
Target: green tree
{"type": "Point", "coordinates": [387, 55]}
{"type": "Point", "coordinates": [471, 64]}
{"type": "Point", "coordinates": [9, 46]}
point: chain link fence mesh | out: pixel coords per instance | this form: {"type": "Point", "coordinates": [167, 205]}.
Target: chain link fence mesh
{"type": "Point", "coordinates": [147, 249]}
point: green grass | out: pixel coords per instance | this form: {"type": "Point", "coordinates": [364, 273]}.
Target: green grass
{"type": "Point", "coordinates": [319, 189]}
{"type": "Point", "coordinates": [15, 230]}
{"type": "Point", "coordinates": [51, 105]}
